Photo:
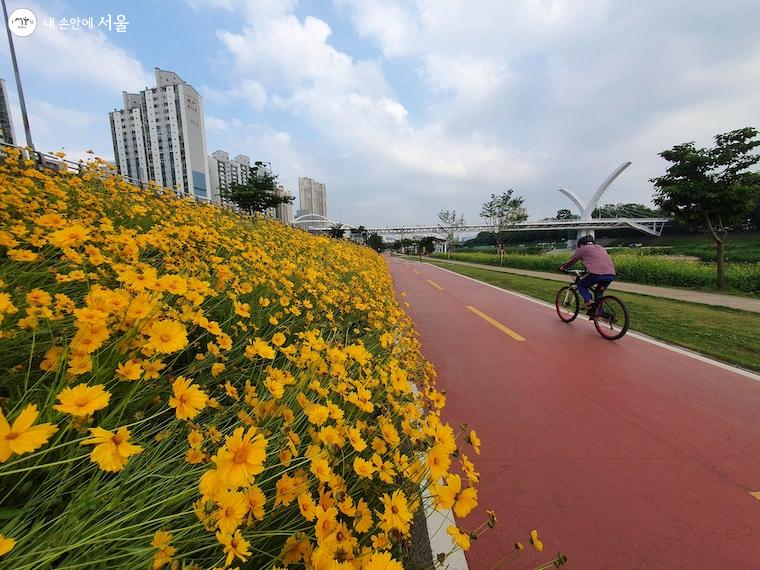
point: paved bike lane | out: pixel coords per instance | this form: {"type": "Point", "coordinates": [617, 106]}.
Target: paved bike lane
{"type": "Point", "coordinates": [622, 454]}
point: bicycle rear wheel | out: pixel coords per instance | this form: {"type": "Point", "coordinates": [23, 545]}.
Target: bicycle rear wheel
{"type": "Point", "coordinates": [567, 304]}
{"type": "Point", "coordinates": [611, 318]}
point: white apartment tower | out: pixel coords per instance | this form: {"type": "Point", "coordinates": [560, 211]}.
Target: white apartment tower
{"type": "Point", "coordinates": [312, 197]}
{"type": "Point", "coordinates": [7, 135]}
{"type": "Point", "coordinates": [160, 136]}
{"type": "Point", "coordinates": [284, 211]}
{"type": "Point", "coordinates": [224, 172]}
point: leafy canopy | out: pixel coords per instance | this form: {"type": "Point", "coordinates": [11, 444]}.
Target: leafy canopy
{"type": "Point", "coordinates": [258, 193]}
{"type": "Point", "coordinates": [711, 187]}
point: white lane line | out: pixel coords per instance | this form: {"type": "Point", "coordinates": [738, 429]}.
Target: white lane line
{"type": "Point", "coordinates": [639, 336]}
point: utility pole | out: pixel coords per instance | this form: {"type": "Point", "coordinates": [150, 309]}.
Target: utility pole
{"type": "Point", "coordinates": [22, 102]}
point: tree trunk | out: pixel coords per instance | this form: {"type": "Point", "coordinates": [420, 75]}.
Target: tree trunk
{"type": "Point", "coordinates": [719, 252]}
{"type": "Point", "coordinates": [719, 249]}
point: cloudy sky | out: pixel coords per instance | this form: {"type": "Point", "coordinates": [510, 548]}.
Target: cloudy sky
{"type": "Point", "coordinates": [404, 108]}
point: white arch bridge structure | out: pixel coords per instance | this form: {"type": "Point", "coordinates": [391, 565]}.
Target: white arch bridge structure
{"type": "Point", "coordinates": [584, 224]}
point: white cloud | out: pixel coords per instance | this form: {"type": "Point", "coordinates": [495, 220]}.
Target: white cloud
{"type": "Point", "coordinates": [84, 130]}
{"type": "Point", "coordinates": [527, 94]}
{"type": "Point", "coordinates": [248, 90]}
{"type": "Point", "coordinates": [80, 56]}
{"type": "Point", "coordinates": [351, 103]}
{"type": "Point", "coordinates": [391, 24]}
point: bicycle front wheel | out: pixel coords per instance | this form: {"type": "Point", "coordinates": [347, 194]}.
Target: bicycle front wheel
{"type": "Point", "coordinates": [567, 304]}
{"type": "Point", "coordinates": [611, 318]}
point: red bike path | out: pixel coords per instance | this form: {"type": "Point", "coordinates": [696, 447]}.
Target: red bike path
{"type": "Point", "coordinates": [622, 454]}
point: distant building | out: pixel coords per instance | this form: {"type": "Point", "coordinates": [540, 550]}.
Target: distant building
{"type": "Point", "coordinates": [284, 211]}
{"type": "Point", "coordinates": [312, 197]}
{"type": "Point", "coordinates": [224, 172]}
{"type": "Point", "coordinates": [160, 136]}
{"type": "Point", "coordinates": [7, 134]}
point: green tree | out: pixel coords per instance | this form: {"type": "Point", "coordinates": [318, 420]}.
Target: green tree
{"type": "Point", "coordinates": [631, 210]}
{"type": "Point", "coordinates": [426, 244]}
{"type": "Point", "coordinates": [712, 187]}
{"type": "Point", "coordinates": [565, 214]}
{"type": "Point", "coordinates": [336, 231]}
{"type": "Point", "coordinates": [375, 242]}
{"type": "Point", "coordinates": [360, 234]}
{"type": "Point", "coordinates": [501, 212]}
{"type": "Point", "coordinates": [450, 224]}
{"type": "Point", "coordinates": [258, 194]}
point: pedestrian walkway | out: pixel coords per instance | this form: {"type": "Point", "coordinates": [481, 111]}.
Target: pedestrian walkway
{"type": "Point", "coordinates": [731, 301]}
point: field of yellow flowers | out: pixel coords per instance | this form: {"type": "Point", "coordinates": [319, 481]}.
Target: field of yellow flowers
{"type": "Point", "coordinates": [186, 388]}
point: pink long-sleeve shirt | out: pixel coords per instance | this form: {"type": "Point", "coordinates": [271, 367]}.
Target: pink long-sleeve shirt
{"type": "Point", "coordinates": [595, 258]}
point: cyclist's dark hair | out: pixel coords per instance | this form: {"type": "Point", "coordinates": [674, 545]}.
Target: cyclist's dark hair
{"type": "Point", "coordinates": [585, 240]}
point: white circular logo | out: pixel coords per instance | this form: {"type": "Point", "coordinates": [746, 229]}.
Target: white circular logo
{"type": "Point", "coordinates": [22, 22]}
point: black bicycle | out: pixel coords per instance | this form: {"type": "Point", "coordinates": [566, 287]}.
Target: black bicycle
{"type": "Point", "coordinates": [609, 313]}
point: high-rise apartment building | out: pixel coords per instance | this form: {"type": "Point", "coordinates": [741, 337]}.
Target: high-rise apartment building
{"type": "Point", "coordinates": [312, 197]}
{"type": "Point", "coordinates": [160, 136]}
{"type": "Point", "coordinates": [284, 211]}
{"type": "Point", "coordinates": [7, 134]}
{"type": "Point", "coordinates": [224, 172]}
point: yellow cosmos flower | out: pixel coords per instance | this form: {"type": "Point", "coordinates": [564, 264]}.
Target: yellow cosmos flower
{"type": "Point", "coordinates": [242, 457]}
{"type": "Point", "coordinates": [232, 508]}
{"type": "Point", "coordinates": [71, 236]}
{"type": "Point", "coordinates": [112, 450]}
{"type": "Point", "coordinates": [474, 440]}
{"type": "Point", "coordinates": [38, 298]}
{"type": "Point", "coordinates": [534, 540]}
{"type": "Point", "coordinates": [256, 502]}
{"type": "Point", "coordinates": [356, 441]}
{"type": "Point", "coordinates": [321, 469]}
{"type": "Point", "coordinates": [438, 461]}
{"type": "Point", "coordinates": [23, 437]}
{"type": "Point", "coordinates": [173, 284]}
{"type": "Point", "coordinates": [129, 370]}
{"type": "Point", "coordinates": [235, 546]}
{"type": "Point", "coordinates": [326, 521]}
{"type": "Point", "coordinates": [188, 399]}
{"type": "Point", "coordinates": [50, 221]}
{"type": "Point", "coordinates": [461, 539]}
{"type": "Point", "coordinates": [396, 515]}
{"type": "Point", "coordinates": [82, 400]}
{"type": "Point", "coordinates": [195, 438]}
{"type": "Point", "coordinates": [79, 364]}
{"type": "Point", "coordinates": [52, 359]}
{"type": "Point", "coordinates": [6, 544]}
{"type": "Point", "coordinates": [275, 388]}
{"type": "Point", "coordinates": [167, 336]}
{"type": "Point", "coordinates": [194, 456]}
{"type": "Point", "coordinates": [363, 517]}
{"type": "Point", "coordinates": [363, 468]}
{"type": "Point", "coordinates": [278, 339]}
{"type": "Point", "coordinates": [6, 304]}
{"type": "Point", "coordinates": [306, 506]}
{"type": "Point", "coordinates": [161, 539]}
{"type": "Point", "coordinates": [382, 561]}
{"type": "Point", "coordinates": [260, 348]}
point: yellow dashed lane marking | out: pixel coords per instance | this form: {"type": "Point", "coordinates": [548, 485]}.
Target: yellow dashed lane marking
{"type": "Point", "coordinates": [434, 284]}
{"type": "Point", "coordinates": [755, 494]}
{"type": "Point", "coordinates": [497, 324]}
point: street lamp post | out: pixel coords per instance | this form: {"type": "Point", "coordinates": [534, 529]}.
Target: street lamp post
{"type": "Point", "coordinates": [22, 102]}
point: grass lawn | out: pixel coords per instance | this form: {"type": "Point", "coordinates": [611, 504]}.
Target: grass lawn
{"type": "Point", "coordinates": [724, 334]}
{"type": "Point", "coordinates": [740, 247]}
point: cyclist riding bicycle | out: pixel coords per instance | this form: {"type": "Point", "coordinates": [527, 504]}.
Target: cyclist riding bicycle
{"type": "Point", "coordinates": [598, 263]}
